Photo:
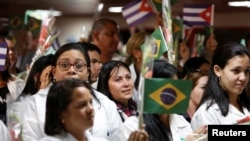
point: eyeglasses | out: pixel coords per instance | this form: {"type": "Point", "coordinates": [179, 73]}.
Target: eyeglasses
{"type": "Point", "coordinates": [78, 66]}
{"type": "Point", "coordinates": [192, 72]}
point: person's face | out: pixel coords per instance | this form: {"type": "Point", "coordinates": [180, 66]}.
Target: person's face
{"type": "Point", "coordinates": [72, 57]}
{"type": "Point", "coordinates": [121, 84]}
{"type": "Point", "coordinates": [95, 65]}
{"type": "Point", "coordinates": [12, 54]}
{"type": "Point", "coordinates": [198, 89]}
{"type": "Point", "coordinates": [108, 39]}
{"type": "Point", "coordinates": [204, 68]}
{"type": "Point", "coordinates": [79, 114]}
{"type": "Point", "coordinates": [9, 43]}
{"type": "Point", "coordinates": [235, 75]}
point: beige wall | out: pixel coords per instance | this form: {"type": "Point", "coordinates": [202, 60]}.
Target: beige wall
{"type": "Point", "coordinates": [71, 26]}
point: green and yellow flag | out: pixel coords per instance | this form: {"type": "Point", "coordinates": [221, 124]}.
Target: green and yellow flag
{"type": "Point", "coordinates": [34, 25]}
{"type": "Point", "coordinates": [177, 28]}
{"type": "Point", "coordinates": [163, 95]}
{"type": "Point", "coordinates": [15, 22]}
{"type": "Point", "coordinates": [160, 43]}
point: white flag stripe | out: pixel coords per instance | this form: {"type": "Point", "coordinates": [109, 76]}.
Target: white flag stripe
{"type": "Point", "coordinates": [136, 17]}
{"type": "Point", "coordinates": [193, 19]}
{"type": "Point", "coordinates": [2, 61]}
{"type": "Point", "coordinates": [131, 9]}
{"type": "Point", "coordinates": [4, 19]}
{"type": "Point", "coordinates": [193, 10]}
{"type": "Point", "coordinates": [3, 50]}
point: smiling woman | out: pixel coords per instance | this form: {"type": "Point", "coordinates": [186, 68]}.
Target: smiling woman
{"type": "Point", "coordinates": [224, 100]}
{"type": "Point", "coordinates": [115, 81]}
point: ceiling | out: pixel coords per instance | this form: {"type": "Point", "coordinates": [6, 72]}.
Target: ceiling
{"type": "Point", "coordinates": [89, 7]}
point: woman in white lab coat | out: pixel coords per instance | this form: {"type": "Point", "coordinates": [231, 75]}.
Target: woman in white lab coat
{"type": "Point", "coordinates": [224, 100]}
{"type": "Point", "coordinates": [72, 61]}
{"type": "Point", "coordinates": [69, 111]}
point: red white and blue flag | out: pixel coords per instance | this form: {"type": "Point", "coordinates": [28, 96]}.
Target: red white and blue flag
{"type": "Point", "coordinates": [3, 53]}
{"type": "Point", "coordinates": [133, 14]}
{"type": "Point", "coordinates": [198, 15]}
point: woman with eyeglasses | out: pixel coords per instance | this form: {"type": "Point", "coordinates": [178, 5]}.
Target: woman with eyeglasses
{"type": "Point", "coordinates": [195, 63]}
{"type": "Point", "coordinates": [72, 61]}
{"type": "Point", "coordinates": [224, 100]}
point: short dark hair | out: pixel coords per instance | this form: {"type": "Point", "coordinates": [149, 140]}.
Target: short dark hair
{"type": "Point", "coordinates": [99, 24]}
{"type": "Point", "coordinates": [90, 47]}
{"type": "Point", "coordinates": [163, 69]}
{"type": "Point", "coordinates": [193, 63]}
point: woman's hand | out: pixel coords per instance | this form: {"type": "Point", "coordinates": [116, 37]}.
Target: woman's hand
{"type": "Point", "coordinates": [139, 135]}
{"type": "Point", "coordinates": [198, 134]}
{"type": "Point", "coordinates": [243, 120]}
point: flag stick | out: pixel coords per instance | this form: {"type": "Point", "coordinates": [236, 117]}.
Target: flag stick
{"type": "Point", "coordinates": [141, 101]}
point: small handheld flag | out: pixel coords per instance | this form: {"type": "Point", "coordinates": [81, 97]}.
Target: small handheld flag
{"type": "Point", "coordinates": [166, 95]}
{"type": "Point", "coordinates": [132, 13]}
{"type": "Point", "coordinates": [201, 15]}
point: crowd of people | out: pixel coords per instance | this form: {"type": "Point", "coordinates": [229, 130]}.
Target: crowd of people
{"type": "Point", "coordinates": [81, 93]}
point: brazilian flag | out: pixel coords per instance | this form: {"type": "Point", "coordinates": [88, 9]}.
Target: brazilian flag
{"type": "Point", "coordinates": [15, 22]}
{"type": "Point", "coordinates": [34, 25]}
{"type": "Point", "coordinates": [159, 45]}
{"type": "Point", "coordinates": [163, 95]}
{"type": "Point", "coordinates": [177, 28]}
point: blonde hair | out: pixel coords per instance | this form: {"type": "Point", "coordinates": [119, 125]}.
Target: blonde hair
{"type": "Point", "coordinates": [134, 42]}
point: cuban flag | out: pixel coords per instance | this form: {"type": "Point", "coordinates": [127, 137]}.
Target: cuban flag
{"type": "Point", "coordinates": [201, 15]}
{"type": "Point", "coordinates": [3, 53]}
{"type": "Point", "coordinates": [132, 13]}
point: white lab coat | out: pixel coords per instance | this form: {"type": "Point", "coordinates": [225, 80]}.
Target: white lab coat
{"type": "Point", "coordinates": [69, 137]}
{"type": "Point", "coordinates": [213, 116]}
{"type": "Point", "coordinates": [107, 122]}
{"type": "Point", "coordinates": [179, 126]}
{"type": "Point", "coordinates": [4, 134]}
{"type": "Point", "coordinates": [15, 87]}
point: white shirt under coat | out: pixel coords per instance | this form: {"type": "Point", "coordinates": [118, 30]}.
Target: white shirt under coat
{"type": "Point", "coordinates": [213, 115]}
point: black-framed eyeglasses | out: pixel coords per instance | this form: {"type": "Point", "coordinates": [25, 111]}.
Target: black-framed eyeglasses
{"type": "Point", "coordinates": [78, 66]}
